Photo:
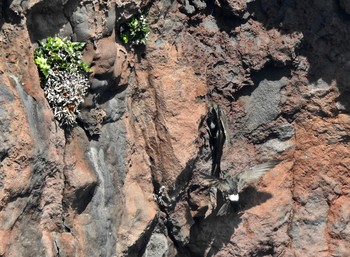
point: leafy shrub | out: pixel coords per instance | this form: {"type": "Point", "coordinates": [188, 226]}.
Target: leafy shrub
{"type": "Point", "coordinates": [135, 31]}
{"type": "Point", "coordinates": [56, 54]}
{"type": "Point", "coordinates": [63, 76]}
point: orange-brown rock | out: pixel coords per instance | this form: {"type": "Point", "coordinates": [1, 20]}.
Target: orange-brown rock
{"type": "Point", "coordinates": [126, 180]}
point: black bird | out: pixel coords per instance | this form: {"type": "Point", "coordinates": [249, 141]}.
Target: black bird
{"type": "Point", "coordinates": [232, 185]}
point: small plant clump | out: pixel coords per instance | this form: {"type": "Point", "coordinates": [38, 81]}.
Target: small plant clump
{"type": "Point", "coordinates": [63, 76]}
{"type": "Point", "coordinates": [135, 31]}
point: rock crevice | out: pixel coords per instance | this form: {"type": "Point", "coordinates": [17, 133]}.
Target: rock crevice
{"type": "Point", "coordinates": [125, 181]}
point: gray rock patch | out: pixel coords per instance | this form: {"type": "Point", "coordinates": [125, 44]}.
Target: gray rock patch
{"type": "Point", "coordinates": [200, 5]}
{"type": "Point", "coordinates": [277, 145]}
{"type": "Point", "coordinates": [5, 94]}
{"type": "Point", "coordinates": [157, 246]}
{"type": "Point", "coordinates": [262, 106]}
{"type": "Point", "coordinates": [80, 23]}
{"type": "Point", "coordinates": [188, 8]}
{"type": "Point", "coordinates": [285, 132]}
{"type": "Point", "coordinates": [209, 23]}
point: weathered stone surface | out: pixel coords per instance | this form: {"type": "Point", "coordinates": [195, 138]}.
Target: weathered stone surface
{"type": "Point", "coordinates": [126, 181]}
{"type": "Point", "coordinates": [32, 165]}
{"type": "Point", "coordinates": [262, 105]}
{"type": "Point", "coordinates": [236, 7]}
{"type": "Point", "coordinates": [157, 246]}
{"type": "Point", "coordinates": [187, 7]}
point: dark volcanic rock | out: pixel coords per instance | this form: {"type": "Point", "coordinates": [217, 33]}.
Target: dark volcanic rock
{"type": "Point", "coordinates": [126, 181]}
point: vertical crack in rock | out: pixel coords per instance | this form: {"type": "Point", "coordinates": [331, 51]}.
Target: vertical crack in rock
{"type": "Point", "coordinates": [222, 46]}
{"type": "Point", "coordinates": [289, 245]}
{"type": "Point", "coordinates": [57, 249]}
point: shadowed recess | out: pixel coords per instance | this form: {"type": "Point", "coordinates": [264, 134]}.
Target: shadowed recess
{"type": "Point", "coordinates": [7, 14]}
{"type": "Point", "coordinates": [215, 232]}
{"type": "Point", "coordinates": [326, 34]}
{"type": "Point", "coordinates": [47, 18]}
{"type": "Point", "coordinates": [83, 197]}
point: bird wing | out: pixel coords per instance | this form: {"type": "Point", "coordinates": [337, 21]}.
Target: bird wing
{"type": "Point", "coordinates": [220, 183]}
{"type": "Point", "coordinates": [253, 174]}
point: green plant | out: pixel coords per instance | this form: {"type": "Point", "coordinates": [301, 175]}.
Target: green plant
{"type": "Point", "coordinates": [63, 76]}
{"type": "Point", "coordinates": [55, 54]}
{"type": "Point", "coordinates": [135, 31]}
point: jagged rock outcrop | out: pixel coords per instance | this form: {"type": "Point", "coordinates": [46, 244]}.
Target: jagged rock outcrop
{"type": "Point", "coordinates": [219, 86]}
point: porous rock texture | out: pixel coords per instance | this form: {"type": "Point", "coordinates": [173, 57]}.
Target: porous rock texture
{"type": "Point", "coordinates": [125, 181]}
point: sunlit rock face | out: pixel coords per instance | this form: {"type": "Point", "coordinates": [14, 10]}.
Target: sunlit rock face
{"type": "Point", "coordinates": [125, 181]}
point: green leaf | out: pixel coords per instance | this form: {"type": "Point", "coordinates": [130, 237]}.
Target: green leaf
{"type": "Point", "coordinates": [135, 31]}
{"type": "Point", "coordinates": [56, 54]}
{"type": "Point", "coordinates": [44, 67]}
{"type": "Point", "coordinates": [134, 23]}
{"type": "Point", "coordinates": [84, 67]}
{"type": "Point", "coordinates": [70, 50]}
{"type": "Point", "coordinates": [125, 38]}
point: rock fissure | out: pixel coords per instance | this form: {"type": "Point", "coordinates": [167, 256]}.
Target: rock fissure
{"type": "Point", "coordinates": [278, 69]}
{"type": "Point", "coordinates": [57, 249]}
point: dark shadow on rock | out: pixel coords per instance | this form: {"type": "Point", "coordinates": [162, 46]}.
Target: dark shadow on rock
{"type": "Point", "coordinates": [47, 18]}
{"type": "Point", "coordinates": [83, 197]}
{"type": "Point", "coordinates": [250, 197]}
{"type": "Point", "coordinates": [181, 182]}
{"type": "Point", "coordinates": [325, 27]}
{"type": "Point", "coordinates": [140, 51]}
{"type": "Point", "coordinates": [104, 96]}
{"type": "Point", "coordinates": [225, 19]}
{"type": "Point", "coordinates": [8, 15]}
{"type": "Point", "coordinates": [86, 127]}
{"type": "Point", "coordinates": [270, 72]}
{"type": "Point", "coordinates": [95, 111]}
{"type": "Point", "coordinates": [139, 247]}
{"type": "Point", "coordinates": [209, 235]}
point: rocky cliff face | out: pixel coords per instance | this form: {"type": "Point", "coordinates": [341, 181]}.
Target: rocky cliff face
{"type": "Point", "coordinates": [125, 181]}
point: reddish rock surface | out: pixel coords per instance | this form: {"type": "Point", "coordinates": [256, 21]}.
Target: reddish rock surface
{"type": "Point", "coordinates": [125, 181]}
